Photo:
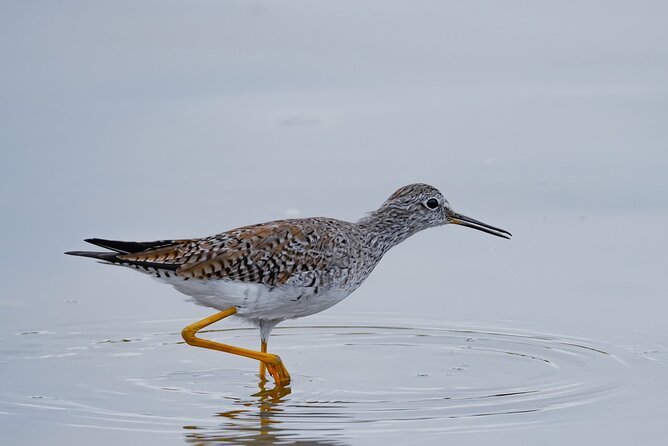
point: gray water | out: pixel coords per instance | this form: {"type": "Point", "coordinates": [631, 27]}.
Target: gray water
{"type": "Point", "coordinates": [155, 120]}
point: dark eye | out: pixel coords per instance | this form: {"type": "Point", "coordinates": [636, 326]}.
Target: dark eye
{"type": "Point", "coordinates": [432, 203]}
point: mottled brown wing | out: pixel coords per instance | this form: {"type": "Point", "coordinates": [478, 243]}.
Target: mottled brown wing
{"type": "Point", "coordinates": [269, 253]}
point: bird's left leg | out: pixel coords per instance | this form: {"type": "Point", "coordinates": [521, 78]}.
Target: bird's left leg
{"type": "Point", "coordinates": [272, 362]}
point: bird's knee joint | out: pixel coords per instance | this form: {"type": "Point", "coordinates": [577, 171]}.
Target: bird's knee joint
{"type": "Point", "coordinates": [188, 335]}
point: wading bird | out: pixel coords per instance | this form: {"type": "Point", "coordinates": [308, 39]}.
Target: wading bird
{"type": "Point", "coordinates": [269, 272]}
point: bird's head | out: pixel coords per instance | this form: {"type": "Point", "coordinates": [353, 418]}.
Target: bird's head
{"type": "Point", "coordinates": [426, 207]}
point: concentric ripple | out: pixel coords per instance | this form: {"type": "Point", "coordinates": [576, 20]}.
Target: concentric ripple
{"type": "Point", "coordinates": [349, 380]}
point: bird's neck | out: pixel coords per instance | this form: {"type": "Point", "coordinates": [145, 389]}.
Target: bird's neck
{"type": "Point", "coordinates": [386, 227]}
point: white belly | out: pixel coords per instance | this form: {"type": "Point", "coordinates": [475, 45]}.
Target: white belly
{"type": "Point", "coordinates": [258, 302]}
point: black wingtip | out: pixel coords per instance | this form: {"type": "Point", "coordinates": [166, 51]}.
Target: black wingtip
{"type": "Point", "coordinates": [114, 245]}
{"type": "Point", "coordinates": [124, 247]}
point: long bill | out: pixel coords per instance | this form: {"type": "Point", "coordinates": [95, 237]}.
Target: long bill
{"type": "Point", "coordinates": [469, 222]}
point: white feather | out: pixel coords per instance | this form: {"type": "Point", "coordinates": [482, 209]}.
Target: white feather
{"type": "Point", "coordinates": [258, 302]}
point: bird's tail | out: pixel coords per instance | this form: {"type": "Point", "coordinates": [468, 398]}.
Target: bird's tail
{"type": "Point", "coordinates": [121, 251]}
{"type": "Point", "coordinates": [104, 256]}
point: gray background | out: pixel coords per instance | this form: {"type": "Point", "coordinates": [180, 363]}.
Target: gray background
{"type": "Point", "coordinates": [167, 119]}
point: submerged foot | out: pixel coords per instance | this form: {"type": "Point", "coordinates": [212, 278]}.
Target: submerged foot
{"type": "Point", "coordinates": [277, 370]}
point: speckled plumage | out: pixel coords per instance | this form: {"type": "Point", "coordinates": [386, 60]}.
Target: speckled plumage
{"type": "Point", "coordinates": [289, 268]}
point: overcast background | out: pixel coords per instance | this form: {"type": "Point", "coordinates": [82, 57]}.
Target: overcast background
{"type": "Point", "coordinates": [147, 120]}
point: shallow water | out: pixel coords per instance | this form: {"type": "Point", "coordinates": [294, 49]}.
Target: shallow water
{"type": "Point", "coordinates": [356, 379]}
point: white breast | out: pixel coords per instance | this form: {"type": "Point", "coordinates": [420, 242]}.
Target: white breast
{"type": "Point", "coordinates": [258, 302]}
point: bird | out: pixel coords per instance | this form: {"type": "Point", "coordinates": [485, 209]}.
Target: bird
{"type": "Point", "coordinates": [284, 269]}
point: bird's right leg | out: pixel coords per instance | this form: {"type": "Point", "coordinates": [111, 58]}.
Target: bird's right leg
{"type": "Point", "coordinates": [272, 362]}
{"type": "Point", "coordinates": [263, 368]}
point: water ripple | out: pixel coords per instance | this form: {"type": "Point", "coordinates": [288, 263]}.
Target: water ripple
{"type": "Point", "coordinates": [349, 380]}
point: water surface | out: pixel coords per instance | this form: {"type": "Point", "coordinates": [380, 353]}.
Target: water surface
{"type": "Point", "coordinates": [356, 379]}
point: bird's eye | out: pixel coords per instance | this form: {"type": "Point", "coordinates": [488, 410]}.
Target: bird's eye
{"type": "Point", "coordinates": [432, 203]}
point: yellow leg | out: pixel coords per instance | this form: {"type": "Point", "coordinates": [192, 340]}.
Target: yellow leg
{"type": "Point", "coordinates": [271, 362]}
{"type": "Point", "coordinates": [263, 368]}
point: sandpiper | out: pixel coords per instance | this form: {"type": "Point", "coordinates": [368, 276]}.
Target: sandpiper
{"type": "Point", "coordinates": [269, 272]}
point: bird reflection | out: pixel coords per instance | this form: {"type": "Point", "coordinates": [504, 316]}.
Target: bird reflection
{"type": "Point", "coordinates": [257, 422]}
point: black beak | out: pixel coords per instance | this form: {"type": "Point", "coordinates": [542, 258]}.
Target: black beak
{"type": "Point", "coordinates": [463, 220]}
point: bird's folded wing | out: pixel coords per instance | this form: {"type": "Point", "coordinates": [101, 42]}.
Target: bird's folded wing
{"type": "Point", "coordinates": [269, 253]}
